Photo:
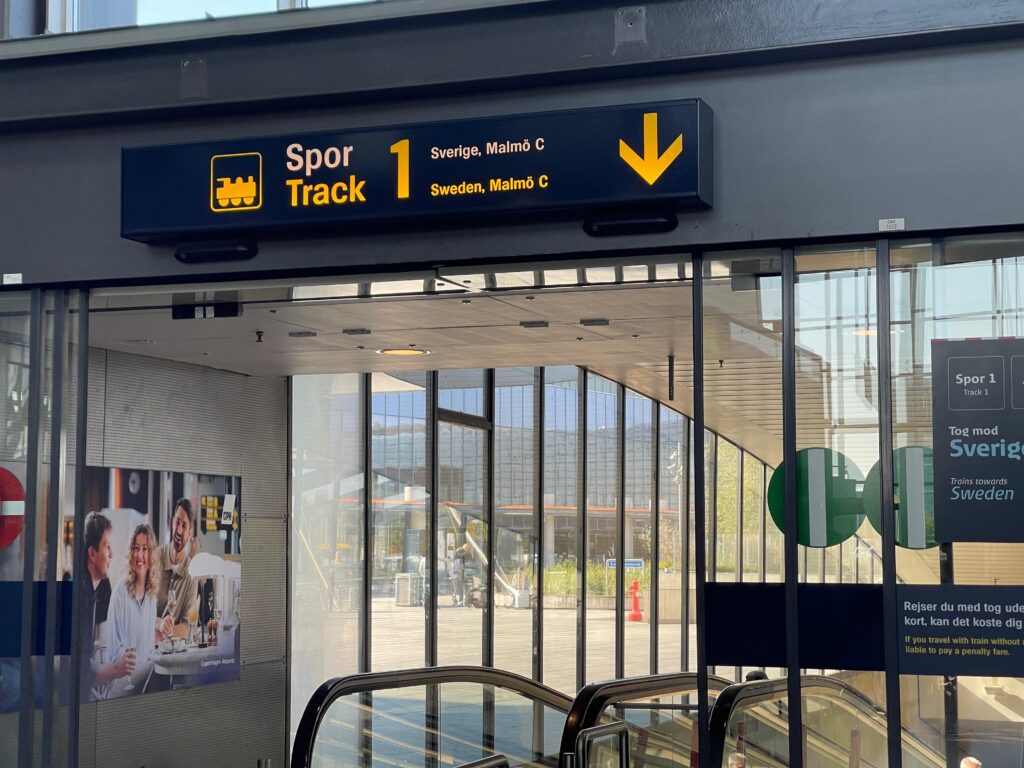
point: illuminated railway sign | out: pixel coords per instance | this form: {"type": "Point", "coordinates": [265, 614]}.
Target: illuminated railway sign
{"type": "Point", "coordinates": [579, 159]}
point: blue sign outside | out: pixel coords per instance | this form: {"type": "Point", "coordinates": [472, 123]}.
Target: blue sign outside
{"type": "Point", "coordinates": [590, 158]}
{"type": "Point", "coordinates": [634, 564]}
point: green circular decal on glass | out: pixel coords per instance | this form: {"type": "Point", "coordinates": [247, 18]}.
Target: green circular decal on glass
{"type": "Point", "coordinates": [829, 509]}
{"type": "Point", "coordinates": [913, 498]}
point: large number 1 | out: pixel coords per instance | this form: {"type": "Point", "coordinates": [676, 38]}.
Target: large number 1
{"type": "Point", "coordinates": [401, 148]}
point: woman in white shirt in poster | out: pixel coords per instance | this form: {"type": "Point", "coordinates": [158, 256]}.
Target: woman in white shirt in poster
{"type": "Point", "coordinates": [132, 614]}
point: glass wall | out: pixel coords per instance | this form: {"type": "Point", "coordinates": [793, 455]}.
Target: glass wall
{"type": "Point", "coordinates": [752, 530]}
{"type": "Point", "coordinates": [400, 516]}
{"type": "Point", "coordinates": [638, 557]}
{"type": "Point", "coordinates": [639, 503]}
{"type": "Point", "coordinates": [601, 525]}
{"type": "Point", "coordinates": [725, 528]}
{"type": "Point", "coordinates": [515, 518]}
{"type": "Point", "coordinates": [836, 329]}
{"type": "Point", "coordinates": [462, 542]}
{"type": "Point", "coordinates": [945, 292]}
{"type": "Point", "coordinates": [327, 530]}
{"type": "Point", "coordinates": [582, 491]}
{"type": "Point", "coordinates": [14, 374]}
{"type": "Point", "coordinates": [39, 357]}
{"type": "Point", "coordinates": [560, 536]}
{"type": "Point", "coordinates": [743, 402]}
{"type": "Point", "coordinates": [673, 522]}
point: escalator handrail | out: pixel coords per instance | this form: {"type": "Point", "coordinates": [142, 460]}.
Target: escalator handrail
{"type": "Point", "coordinates": [491, 761]}
{"type": "Point", "coordinates": [593, 698]}
{"type": "Point", "coordinates": [335, 688]}
{"type": "Point", "coordinates": [755, 692]}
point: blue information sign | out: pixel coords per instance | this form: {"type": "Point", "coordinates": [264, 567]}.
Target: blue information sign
{"type": "Point", "coordinates": [632, 564]}
{"type": "Point", "coordinates": [978, 433]}
{"type": "Point", "coordinates": [590, 158]}
{"type": "Point", "coordinates": [961, 630]}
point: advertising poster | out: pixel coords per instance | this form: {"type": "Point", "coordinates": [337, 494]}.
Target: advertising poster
{"type": "Point", "coordinates": [978, 433]}
{"type": "Point", "coordinates": [163, 561]}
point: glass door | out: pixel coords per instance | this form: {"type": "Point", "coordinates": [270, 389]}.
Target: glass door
{"type": "Point", "coordinates": [463, 559]}
{"type": "Point", "coordinates": [42, 361]}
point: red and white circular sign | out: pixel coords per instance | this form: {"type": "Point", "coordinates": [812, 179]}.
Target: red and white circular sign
{"type": "Point", "coordinates": [12, 507]}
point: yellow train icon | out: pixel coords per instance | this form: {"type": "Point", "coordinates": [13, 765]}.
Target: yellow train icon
{"type": "Point", "coordinates": [237, 192]}
{"type": "Point", "coordinates": [236, 182]}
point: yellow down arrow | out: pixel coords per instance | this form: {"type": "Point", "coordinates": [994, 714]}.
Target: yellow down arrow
{"type": "Point", "coordinates": [651, 165]}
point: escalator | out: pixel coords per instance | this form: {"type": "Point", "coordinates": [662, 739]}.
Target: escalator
{"type": "Point", "coordinates": [477, 717]}
{"type": "Point", "coordinates": [443, 717]}
{"type": "Point", "coordinates": [651, 720]}
{"type": "Point", "coordinates": [842, 728]}
{"type": "Point", "coordinates": [431, 718]}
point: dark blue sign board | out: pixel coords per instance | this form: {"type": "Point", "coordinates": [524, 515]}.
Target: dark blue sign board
{"type": "Point", "coordinates": [978, 435]}
{"type": "Point", "coordinates": [961, 630]}
{"type": "Point", "coordinates": [590, 158]}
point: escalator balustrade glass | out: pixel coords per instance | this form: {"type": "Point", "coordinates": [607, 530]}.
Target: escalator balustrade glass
{"type": "Point", "coordinates": [659, 711]}
{"type": "Point", "coordinates": [432, 718]}
{"type": "Point", "coordinates": [841, 728]}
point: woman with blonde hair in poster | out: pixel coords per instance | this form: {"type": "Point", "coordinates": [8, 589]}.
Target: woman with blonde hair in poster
{"type": "Point", "coordinates": [133, 610]}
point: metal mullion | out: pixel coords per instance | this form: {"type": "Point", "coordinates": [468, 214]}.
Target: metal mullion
{"type": "Point", "coordinates": [489, 513]}
{"type": "Point", "coordinates": [950, 692]}
{"type": "Point", "coordinates": [739, 514]}
{"type": "Point", "coordinates": [55, 498]}
{"type": "Point", "coordinates": [890, 628]}
{"type": "Point", "coordinates": [538, 484]}
{"type": "Point", "coordinates": [620, 534]}
{"type": "Point", "coordinates": [684, 519]}
{"type": "Point", "coordinates": [790, 498]}
{"type": "Point", "coordinates": [433, 480]}
{"type": "Point", "coordinates": [713, 567]}
{"type": "Point", "coordinates": [79, 573]}
{"type": "Point", "coordinates": [432, 720]}
{"type": "Point", "coordinates": [538, 523]}
{"type": "Point", "coordinates": [699, 492]}
{"type": "Point", "coordinates": [27, 715]}
{"type": "Point", "coordinates": [366, 647]}
{"type": "Point", "coordinates": [739, 530]}
{"type": "Point", "coordinates": [652, 604]}
{"type": "Point", "coordinates": [291, 488]}
{"type": "Point", "coordinates": [762, 492]}
{"type": "Point", "coordinates": [581, 540]}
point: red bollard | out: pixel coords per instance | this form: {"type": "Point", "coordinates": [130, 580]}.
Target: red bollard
{"type": "Point", "coordinates": [634, 590]}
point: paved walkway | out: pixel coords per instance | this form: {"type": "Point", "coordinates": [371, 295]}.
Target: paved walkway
{"type": "Point", "coordinates": [399, 631]}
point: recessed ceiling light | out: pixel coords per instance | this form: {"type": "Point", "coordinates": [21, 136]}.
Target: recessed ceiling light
{"type": "Point", "coordinates": [403, 352]}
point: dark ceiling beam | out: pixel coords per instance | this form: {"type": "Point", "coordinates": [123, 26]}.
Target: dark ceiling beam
{"type": "Point", "coordinates": [476, 51]}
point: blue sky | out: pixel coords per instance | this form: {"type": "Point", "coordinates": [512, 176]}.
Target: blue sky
{"type": "Point", "coordinates": [160, 11]}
